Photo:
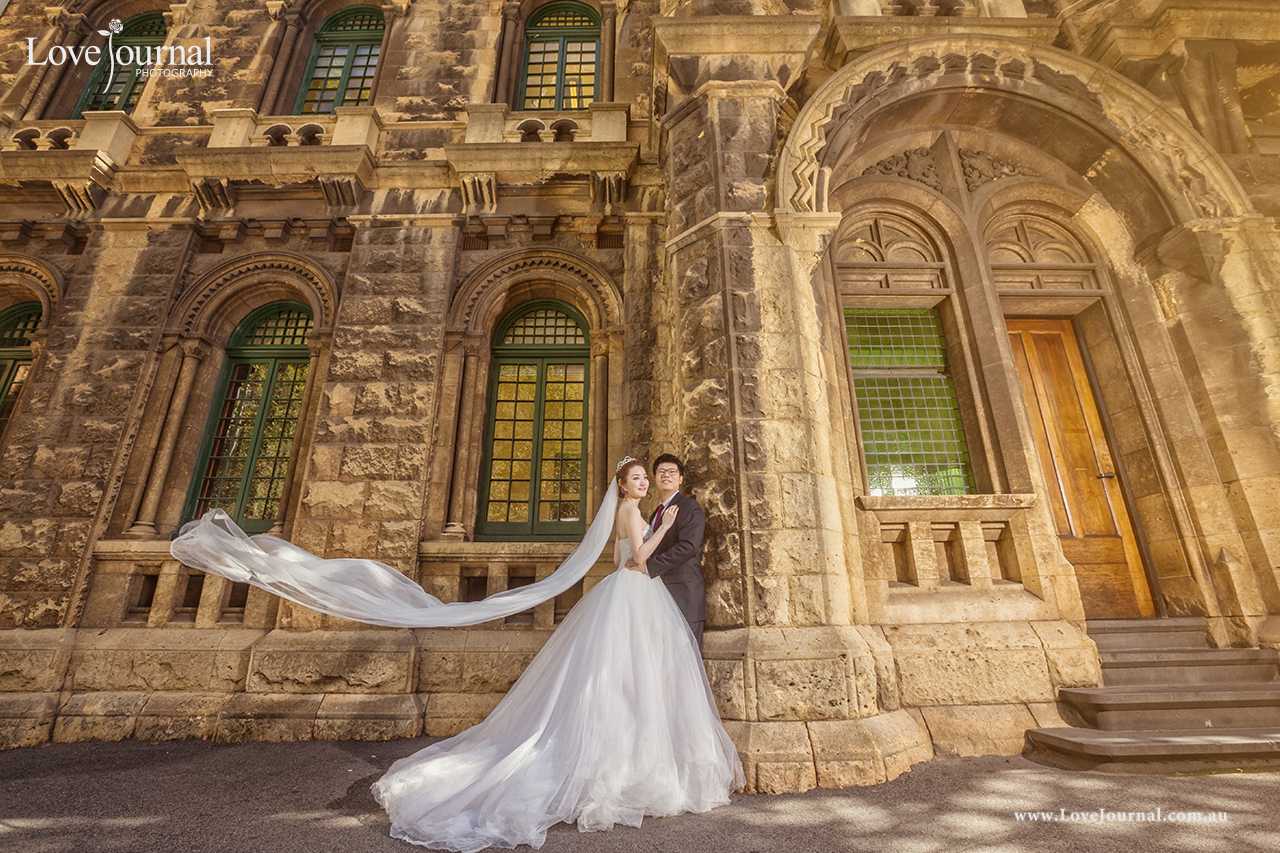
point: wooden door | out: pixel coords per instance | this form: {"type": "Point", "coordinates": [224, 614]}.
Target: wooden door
{"type": "Point", "coordinates": [1088, 503]}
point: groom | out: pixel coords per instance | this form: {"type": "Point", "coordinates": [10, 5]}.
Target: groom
{"type": "Point", "coordinates": [678, 559]}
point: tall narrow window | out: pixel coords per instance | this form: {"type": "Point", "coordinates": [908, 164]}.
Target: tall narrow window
{"type": "Point", "coordinates": [534, 468]}
{"type": "Point", "coordinates": [16, 324]}
{"type": "Point", "coordinates": [115, 85]}
{"type": "Point", "coordinates": [912, 435]}
{"type": "Point", "coordinates": [249, 441]}
{"type": "Point", "coordinates": [343, 61]}
{"type": "Point", "coordinates": [561, 50]}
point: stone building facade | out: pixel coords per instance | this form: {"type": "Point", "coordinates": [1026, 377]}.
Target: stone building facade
{"type": "Point", "coordinates": [962, 312]}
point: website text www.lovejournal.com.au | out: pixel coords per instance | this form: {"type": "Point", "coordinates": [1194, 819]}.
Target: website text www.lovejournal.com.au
{"type": "Point", "coordinates": [1159, 815]}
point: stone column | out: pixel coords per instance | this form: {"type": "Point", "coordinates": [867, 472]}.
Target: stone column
{"type": "Point", "coordinates": [75, 33]}
{"type": "Point", "coordinates": [608, 39]}
{"type": "Point", "coordinates": [455, 528]}
{"type": "Point", "coordinates": [391, 15]}
{"type": "Point", "coordinates": [1204, 75]}
{"type": "Point", "coordinates": [271, 96]}
{"type": "Point", "coordinates": [144, 527]}
{"type": "Point", "coordinates": [502, 86]}
{"type": "Point", "coordinates": [599, 468]}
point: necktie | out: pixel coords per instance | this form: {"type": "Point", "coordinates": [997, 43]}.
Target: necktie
{"type": "Point", "coordinates": [657, 516]}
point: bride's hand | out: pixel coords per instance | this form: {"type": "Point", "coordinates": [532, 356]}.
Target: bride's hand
{"type": "Point", "coordinates": [669, 517]}
{"type": "Point", "coordinates": [637, 567]}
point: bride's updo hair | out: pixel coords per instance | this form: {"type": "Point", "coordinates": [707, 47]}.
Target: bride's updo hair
{"type": "Point", "coordinates": [622, 473]}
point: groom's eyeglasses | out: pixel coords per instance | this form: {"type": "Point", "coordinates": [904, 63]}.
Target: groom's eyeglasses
{"type": "Point", "coordinates": [667, 472]}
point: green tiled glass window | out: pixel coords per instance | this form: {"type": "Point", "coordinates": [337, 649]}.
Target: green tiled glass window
{"type": "Point", "coordinates": [535, 457]}
{"type": "Point", "coordinates": [142, 32]}
{"type": "Point", "coordinates": [249, 441]}
{"type": "Point", "coordinates": [343, 61]}
{"type": "Point", "coordinates": [16, 324]}
{"type": "Point", "coordinates": [562, 49]}
{"type": "Point", "coordinates": [912, 436]}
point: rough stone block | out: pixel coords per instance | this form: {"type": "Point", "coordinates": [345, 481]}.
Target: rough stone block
{"type": "Point", "coordinates": [35, 660]}
{"type": "Point", "coordinates": [270, 717]}
{"type": "Point", "coordinates": [969, 664]}
{"type": "Point", "coordinates": [26, 719]}
{"type": "Point", "coordinates": [728, 685]}
{"type": "Point", "coordinates": [801, 689]}
{"type": "Point", "coordinates": [968, 730]}
{"type": "Point", "coordinates": [172, 715]}
{"type": "Point", "coordinates": [774, 756]}
{"type": "Point", "coordinates": [368, 717]}
{"type": "Point", "coordinates": [362, 661]}
{"type": "Point", "coordinates": [867, 751]}
{"type": "Point", "coordinates": [446, 714]}
{"type": "Point", "coordinates": [109, 716]}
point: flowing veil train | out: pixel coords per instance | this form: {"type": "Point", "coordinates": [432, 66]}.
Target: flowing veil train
{"type": "Point", "coordinates": [613, 720]}
{"type": "Point", "coordinates": [367, 590]}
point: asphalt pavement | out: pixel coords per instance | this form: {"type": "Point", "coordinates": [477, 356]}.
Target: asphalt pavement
{"type": "Point", "coordinates": [314, 797]}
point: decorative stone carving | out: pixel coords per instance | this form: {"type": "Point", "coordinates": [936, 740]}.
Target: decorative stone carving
{"type": "Point", "coordinates": [467, 307]}
{"type": "Point", "coordinates": [36, 275]}
{"type": "Point", "coordinates": [917, 164]}
{"type": "Point", "coordinates": [80, 197]}
{"type": "Point", "coordinates": [1135, 118]}
{"type": "Point", "coordinates": [270, 267]}
{"type": "Point", "coordinates": [213, 193]}
{"type": "Point", "coordinates": [982, 168]}
{"type": "Point", "coordinates": [479, 192]}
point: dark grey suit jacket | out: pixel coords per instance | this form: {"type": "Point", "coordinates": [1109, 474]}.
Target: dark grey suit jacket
{"type": "Point", "coordinates": [678, 559]}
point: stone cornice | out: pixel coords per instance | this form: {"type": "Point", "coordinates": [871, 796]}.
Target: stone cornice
{"type": "Point", "coordinates": [1120, 39]}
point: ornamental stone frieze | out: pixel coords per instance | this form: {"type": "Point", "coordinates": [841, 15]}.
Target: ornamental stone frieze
{"type": "Point", "coordinates": [983, 168]}
{"type": "Point", "coordinates": [917, 164]}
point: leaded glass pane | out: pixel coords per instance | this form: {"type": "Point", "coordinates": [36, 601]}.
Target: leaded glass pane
{"type": "Point", "coordinates": [545, 327]}
{"type": "Point", "coordinates": [287, 328]}
{"type": "Point", "coordinates": [364, 20]}
{"type": "Point", "coordinates": [18, 323]}
{"type": "Point", "coordinates": [579, 75]}
{"type": "Point", "coordinates": [912, 434]}
{"type": "Point", "coordinates": [508, 477]}
{"type": "Point", "coordinates": [542, 74]}
{"type": "Point", "coordinates": [562, 18]}
{"type": "Point", "coordinates": [326, 79]}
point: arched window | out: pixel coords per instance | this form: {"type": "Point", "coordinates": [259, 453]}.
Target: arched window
{"type": "Point", "coordinates": [343, 62]}
{"type": "Point", "coordinates": [245, 455]}
{"type": "Point", "coordinates": [114, 85]}
{"type": "Point", "coordinates": [535, 457]}
{"type": "Point", "coordinates": [561, 50]}
{"type": "Point", "coordinates": [16, 324]}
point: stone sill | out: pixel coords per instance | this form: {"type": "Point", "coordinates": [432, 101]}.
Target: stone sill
{"type": "Point", "coordinates": [447, 551]}
{"type": "Point", "coordinates": [132, 549]}
{"type": "Point", "coordinates": [526, 162]}
{"type": "Point", "coordinates": [1005, 601]}
{"type": "Point", "coordinates": [944, 508]}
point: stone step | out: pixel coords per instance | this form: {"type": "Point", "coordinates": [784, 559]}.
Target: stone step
{"type": "Point", "coordinates": [1227, 706]}
{"type": "Point", "coordinates": [1186, 632]}
{"type": "Point", "coordinates": [1188, 667]}
{"type": "Point", "coordinates": [1178, 751]}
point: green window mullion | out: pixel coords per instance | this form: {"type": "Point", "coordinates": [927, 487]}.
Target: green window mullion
{"type": "Point", "coordinates": [255, 445]}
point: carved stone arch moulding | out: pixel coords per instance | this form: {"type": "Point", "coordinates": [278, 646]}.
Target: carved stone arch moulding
{"type": "Point", "coordinates": [1191, 176]}
{"type": "Point", "coordinates": [309, 283]}
{"type": "Point", "coordinates": [42, 280]}
{"type": "Point", "coordinates": [482, 299]}
{"type": "Point", "coordinates": [871, 235]}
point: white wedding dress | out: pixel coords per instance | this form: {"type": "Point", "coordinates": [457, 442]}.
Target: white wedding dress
{"type": "Point", "coordinates": [613, 721]}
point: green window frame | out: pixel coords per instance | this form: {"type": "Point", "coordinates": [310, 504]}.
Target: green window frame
{"type": "Point", "coordinates": [248, 443]}
{"type": "Point", "coordinates": [16, 325]}
{"type": "Point", "coordinates": [145, 31]}
{"type": "Point", "coordinates": [343, 63]}
{"type": "Point", "coordinates": [534, 472]}
{"type": "Point", "coordinates": [561, 58]}
{"type": "Point", "coordinates": [912, 434]}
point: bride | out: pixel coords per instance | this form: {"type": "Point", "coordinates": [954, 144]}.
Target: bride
{"type": "Point", "coordinates": [612, 721]}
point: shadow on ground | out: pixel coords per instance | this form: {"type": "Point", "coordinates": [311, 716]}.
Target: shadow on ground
{"type": "Point", "coordinates": [314, 797]}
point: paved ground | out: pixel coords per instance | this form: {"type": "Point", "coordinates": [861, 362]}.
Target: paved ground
{"type": "Point", "coordinates": [314, 797]}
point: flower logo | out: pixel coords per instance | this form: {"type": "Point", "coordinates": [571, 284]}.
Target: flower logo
{"type": "Point", "coordinates": [113, 29]}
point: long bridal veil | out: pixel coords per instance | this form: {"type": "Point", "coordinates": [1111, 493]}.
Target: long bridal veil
{"type": "Point", "coordinates": [366, 590]}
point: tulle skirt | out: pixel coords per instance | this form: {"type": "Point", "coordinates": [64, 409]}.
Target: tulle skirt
{"type": "Point", "coordinates": [613, 721]}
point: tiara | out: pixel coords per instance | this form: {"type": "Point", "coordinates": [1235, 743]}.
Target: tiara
{"type": "Point", "coordinates": [624, 461]}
